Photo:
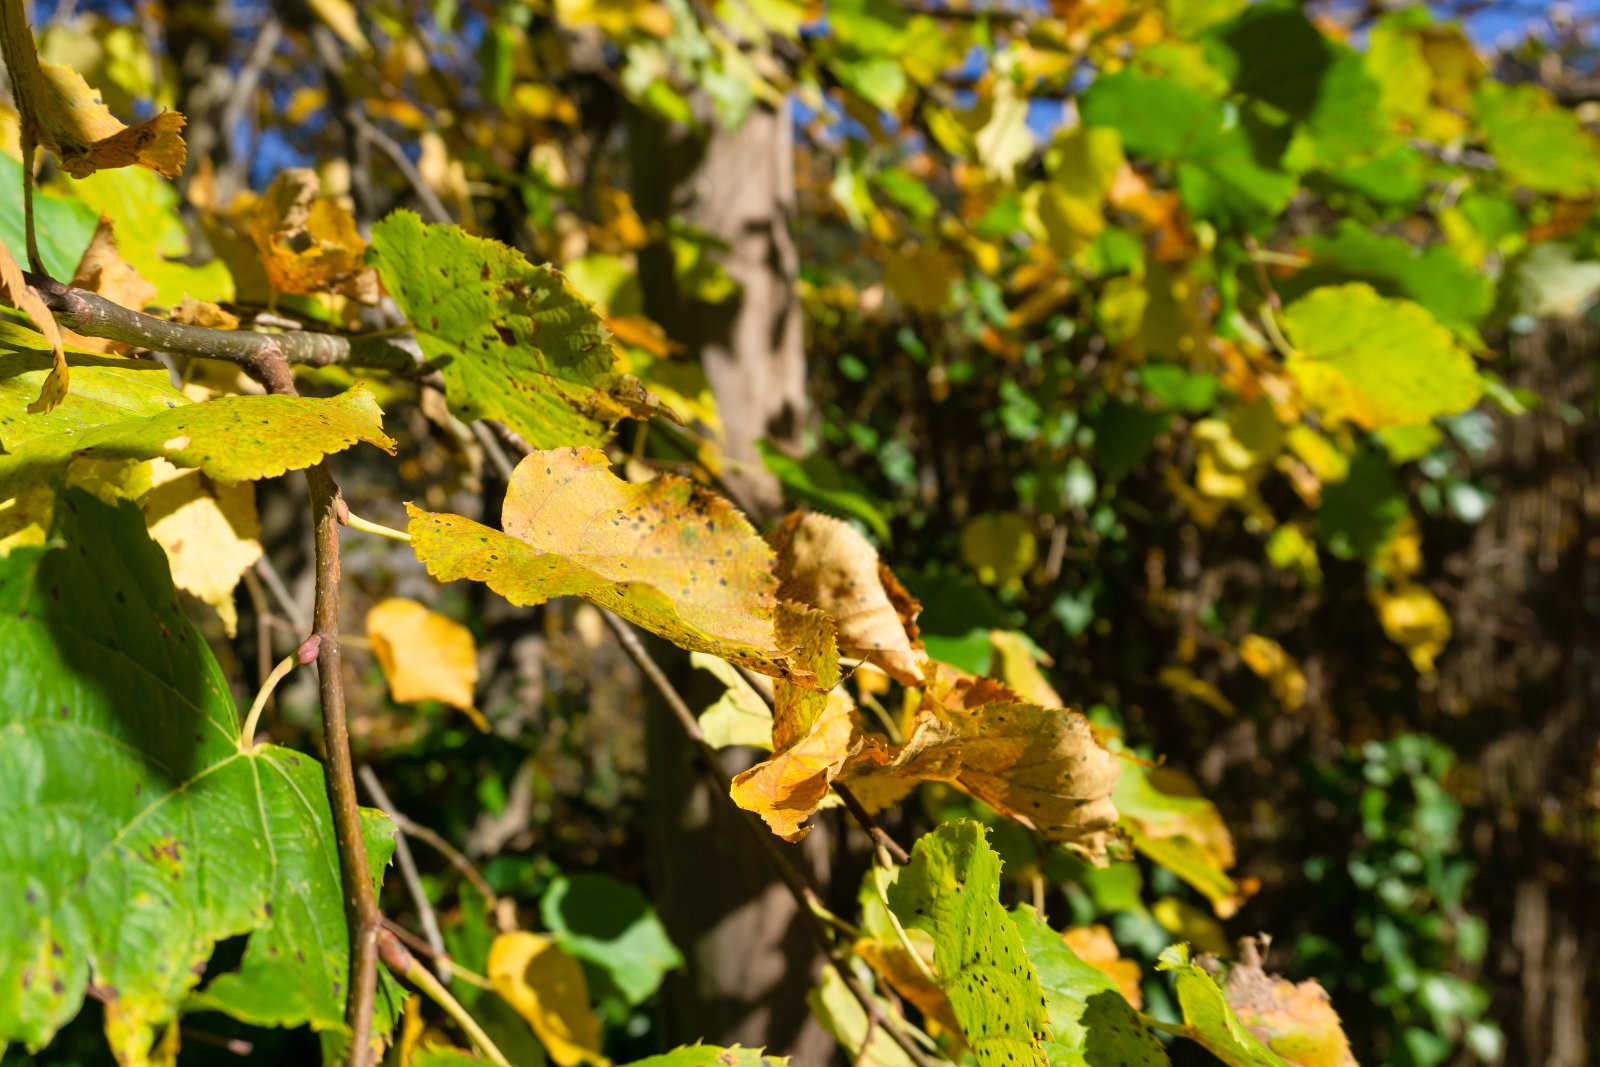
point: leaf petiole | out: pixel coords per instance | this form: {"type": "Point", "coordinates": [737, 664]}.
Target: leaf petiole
{"type": "Point", "coordinates": [281, 671]}
{"type": "Point", "coordinates": [356, 522]}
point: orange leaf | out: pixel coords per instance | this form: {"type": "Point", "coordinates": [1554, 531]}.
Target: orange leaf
{"type": "Point", "coordinates": [424, 655]}
{"type": "Point", "coordinates": [1295, 1021]}
{"type": "Point", "coordinates": [16, 289]}
{"type": "Point", "coordinates": [1094, 946]}
{"type": "Point", "coordinates": [308, 242]}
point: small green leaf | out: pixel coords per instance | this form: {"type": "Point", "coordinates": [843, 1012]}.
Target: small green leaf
{"type": "Point", "coordinates": [62, 226]}
{"type": "Point", "coordinates": [951, 890]}
{"type": "Point", "coordinates": [1376, 361]}
{"type": "Point", "coordinates": [513, 341]}
{"type": "Point", "coordinates": [712, 1056]}
{"type": "Point", "coordinates": [611, 925]}
{"type": "Point", "coordinates": [1091, 1025]}
{"type": "Point", "coordinates": [138, 831]}
{"type": "Point", "coordinates": [1209, 1020]}
{"type": "Point", "coordinates": [1537, 142]}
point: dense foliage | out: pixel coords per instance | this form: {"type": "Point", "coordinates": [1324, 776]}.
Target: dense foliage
{"type": "Point", "coordinates": [1160, 360]}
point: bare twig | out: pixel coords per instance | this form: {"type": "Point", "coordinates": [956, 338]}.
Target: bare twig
{"type": "Point", "coordinates": [400, 960]}
{"type": "Point", "coordinates": [408, 873]}
{"type": "Point", "coordinates": [280, 592]}
{"type": "Point", "coordinates": [417, 944]}
{"type": "Point", "coordinates": [452, 855]}
{"type": "Point", "coordinates": [397, 155]}
{"type": "Point", "coordinates": [361, 902]}
{"type": "Point", "coordinates": [880, 836]}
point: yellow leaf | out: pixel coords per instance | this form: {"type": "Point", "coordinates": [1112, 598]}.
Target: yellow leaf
{"type": "Point", "coordinates": [1094, 946]}
{"type": "Point", "coordinates": [921, 276]}
{"type": "Point", "coordinates": [1415, 620]}
{"type": "Point", "coordinates": [1188, 923]}
{"type": "Point", "coordinates": [1167, 819]}
{"type": "Point", "coordinates": [424, 655]}
{"type": "Point", "coordinates": [204, 313]}
{"type": "Point", "coordinates": [666, 554]}
{"type": "Point", "coordinates": [66, 116]}
{"type": "Point", "coordinates": [340, 17]}
{"type": "Point", "coordinates": [1297, 1021]}
{"type": "Point", "coordinates": [209, 531]}
{"type": "Point", "coordinates": [307, 242]}
{"type": "Point", "coordinates": [999, 547]}
{"type": "Point", "coordinates": [15, 288]}
{"type": "Point", "coordinates": [547, 988]}
{"type": "Point", "coordinates": [1183, 681]}
{"type": "Point", "coordinates": [827, 563]}
{"type": "Point", "coordinates": [893, 963]}
{"type": "Point", "coordinates": [1268, 659]}
{"type": "Point", "coordinates": [1014, 664]}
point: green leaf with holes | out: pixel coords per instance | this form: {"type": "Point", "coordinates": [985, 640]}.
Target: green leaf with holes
{"type": "Point", "coordinates": [120, 409]}
{"type": "Point", "coordinates": [1091, 1025]}
{"type": "Point", "coordinates": [513, 341]}
{"type": "Point", "coordinates": [951, 891]}
{"type": "Point", "coordinates": [138, 832]}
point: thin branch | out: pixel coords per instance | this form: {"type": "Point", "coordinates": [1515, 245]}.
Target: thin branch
{"type": "Point", "coordinates": [400, 960]}
{"type": "Point", "coordinates": [361, 902]}
{"type": "Point", "coordinates": [429, 199]}
{"type": "Point", "coordinates": [280, 592]}
{"type": "Point", "coordinates": [408, 873]}
{"type": "Point", "coordinates": [94, 316]}
{"type": "Point", "coordinates": [417, 944]}
{"type": "Point", "coordinates": [880, 836]}
{"type": "Point", "coordinates": [452, 855]}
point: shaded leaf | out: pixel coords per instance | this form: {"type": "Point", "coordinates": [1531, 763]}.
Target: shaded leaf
{"type": "Point", "coordinates": [513, 341]}
{"type": "Point", "coordinates": [547, 988]}
{"type": "Point", "coordinates": [666, 554]}
{"type": "Point", "coordinates": [611, 925]}
{"type": "Point", "coordinates": [740, 716]}
{"type": "Point", "coordinates": [62, 225]}
{"type": "Point", "coordinates": [135, 842]}
{"type": "Point", "coordinates": [424, 655]}
{"type": "Point", "coordinates": [15, 289]}
{"type": "Point", "coordinates": [951, 890]}
{"type": "Point", "coordinates": [209, 531]}
{"type": "Point", "coordinates": [1166, 818]}
{"type": "Point", "coordinates": [842, 1015]}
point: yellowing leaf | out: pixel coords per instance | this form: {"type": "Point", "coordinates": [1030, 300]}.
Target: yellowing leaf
{"type": "Point", "coordinates": [1188, 923]}
{"type": "Point", "coordinates": [208, 530]}
{"type": "Point", "coordinates": [999, 547]}
{"type": "Point", "coordinates": [1164, 814]}
{"type": "Point", "coordinates": [1094, 946]}
{"type": "Point", "coordinates": [1068, 209]}
{"type": "Point", "coordinates": [666, 554]}
{"type": "Point", "coordinates": [14, 287]}
{"type": "Point", "coordinates": [1268, 659]}
{"type": "Point", "coordinates": [1184, 682]}
{"type": "Point", "coordinates": [894, 963]}
{"type": "Point", "coordinates": [842, 1015]}
{"type": "Point", "coordinates": [921, 276]}
{"type": "Point", "coordinates": [1208, 1019]}
{"type": "Point", "coordinates": [102, 270]}
{"type": "Point", "coordinates": [826, 563]}
{"type": "Point", "coordinates": [740, 716]}
{"type": "Point", "coordinates": [66, 116]}
{"type": "Point", "coordinates": [1296, 1020]}
{"type": "Point", "coordinates": [307, 241]}
{"type": "Point", "coordinates": [1015, 665]}
{"type": "Point", "coordinates": [424, 655]}
{"type": "Point", "coordinates": [547, 988]}
{"type": "Point", "coordinates": [1376, 361]}
{"type": "Point", "coordinates": [1415, 620]}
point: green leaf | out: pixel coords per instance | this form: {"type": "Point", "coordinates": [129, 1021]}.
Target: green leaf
{"type": "Point", "coordinates": [1376, 361]}
{"type": "Point", "coordinates": [1208, 1019]}
{"type": "Point", "coordinates": [1537, 142]}
{"type": "Point", "coordinates": [1167, 819]}
{"type": "Point", "coordinates": [122, 410]}
{"type": "Point", "coordinates": [1436, 278]}
{"type": "Point", "coordinates": [1178, 387]}
{"type": "Point", "coordinates": [513, 341]}
{"type": "Point", "coordinates": [1091, 1025]}
{"type": "Point", "coordinates": [712, 1056]}
{"type": "Point", "coordinates": [1216, 151]}
{"type": "Point", "coordinates": [740, 716]}
{"type": "Point", "coordinates": [1358, 514]}
{"type": "Point", "coordinates": [665, 554]}
{"type": "Point", "coordinates": [611, 925]}
{"type": "Point", "coordinates": [138, 831]}
{"type": "Point", "coordinates": [62, 226]}
{"type": "Point", "coordinates": [842, 1015]}
{"type": "Point", "coordinates": [151, 235]}
{"type": "Point", "coordinates": [951, 891]}
{"type": "Point", "coordinates": [819, 481]}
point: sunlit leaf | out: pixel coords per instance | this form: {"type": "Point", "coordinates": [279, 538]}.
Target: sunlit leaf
{"type": "Point", "coordinates": [1207, 1017]}
{"type": "Point", "coordinates": [1295, 1020]}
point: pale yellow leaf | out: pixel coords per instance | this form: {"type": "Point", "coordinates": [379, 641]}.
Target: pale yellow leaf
{"type": "Point", "coordinates": [547, 987]}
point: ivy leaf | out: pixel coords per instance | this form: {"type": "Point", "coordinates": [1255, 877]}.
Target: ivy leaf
{"type": "Point", "coordinates": [666, 554]}
{"type": "Point", "coordinates": [140, 832]}
{"type": "Point", "coordinates": [1207, 1018]}
{"type": "Point", "coordinates": [951, 890]}
{"type": "Point", "coordinates": [1296, 1020]}
{"type": "Point", "coordinates": [1090, 1023]}
{"type": "Point", "coordinates": [121, 412]}
{"type": "Point", "coordinates": [513, 341]}
{"type": "Point", "coordinates": [68, 117]}
{"type": "Point", "coordinates": [1376, 361]}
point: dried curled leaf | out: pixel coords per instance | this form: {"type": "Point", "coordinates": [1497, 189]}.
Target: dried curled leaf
{"type": "Point", "coordinates": [666, 554]}
{"type": "Point", "coordinates": [825, 562]}
{"type": "Point", "coordinates": [424, 655]}
{"type": "Point", "coordinates": [15, 288]}
{"type": "Point", "coordinates": [68, 117]}
{"type": "Point", "coordinates": [548, 989]}
{"type": "Point", "coordinates": [308, 242]}
{"type": "Point", "coordinates": [1296, 1020]}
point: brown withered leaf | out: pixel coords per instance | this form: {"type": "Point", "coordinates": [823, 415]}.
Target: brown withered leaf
{"type": "Point", "coordinates": [825, 562]}
{"type": "Point", "coordinates": [65, 115]}
{"type": "Point", "coordinates": [308, 242]}
{"type": "Point", "coordinates": [15, 288]}
{"type": "Point", "coordinates": [102, 270]}
{"type": "Point", "coordinates": [1297, 1021]}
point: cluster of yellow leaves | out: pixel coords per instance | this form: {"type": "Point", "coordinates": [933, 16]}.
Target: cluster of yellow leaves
{"type": "Point", "coordinates": [1409, 613]}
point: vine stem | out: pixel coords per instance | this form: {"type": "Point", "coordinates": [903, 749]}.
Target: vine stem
{"type": "Point", "coordinates": [399, 959]}
{"type": "Point", "coordinates": [362, 916]}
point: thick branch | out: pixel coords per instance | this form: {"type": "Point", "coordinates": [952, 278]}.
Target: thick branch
{"type": "Point", "coordinates": [95, 316]}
